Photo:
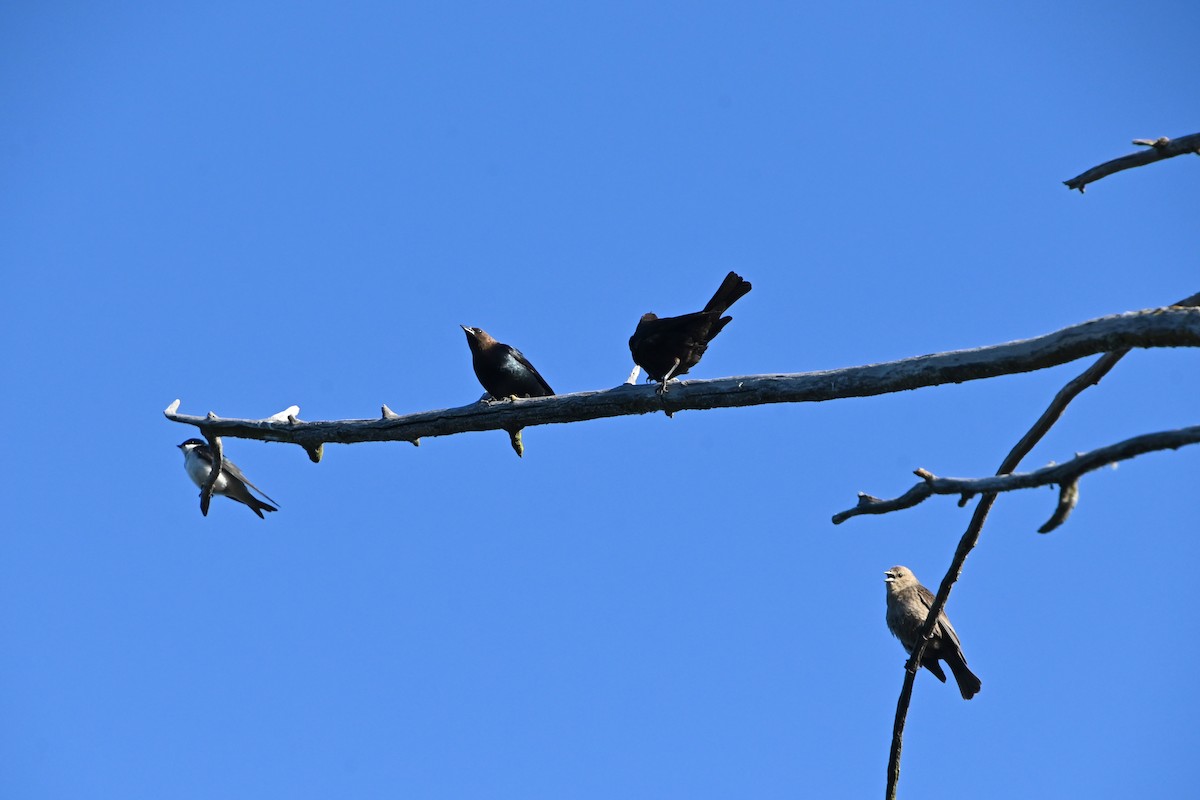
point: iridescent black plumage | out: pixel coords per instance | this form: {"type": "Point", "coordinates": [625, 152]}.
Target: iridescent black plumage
{"type": "Point", "coordinates": [504, 372]}
{"type": "Point", "coordinates": [668, 347]}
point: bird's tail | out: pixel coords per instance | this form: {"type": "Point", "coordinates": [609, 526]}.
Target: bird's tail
{"type": "Point", "coordinates": [258, 506]}
{"type": "Point", "coordinates": [733, 288]}
{"type": "Point", "coordinates": [968, 682]}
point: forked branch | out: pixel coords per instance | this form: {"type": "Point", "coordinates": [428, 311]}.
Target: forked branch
{"type": "Point", "coordinates": [1065, 475]}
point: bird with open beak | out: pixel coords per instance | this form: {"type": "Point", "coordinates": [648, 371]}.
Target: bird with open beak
{"type": "Point", "coordinates": [908, 604]}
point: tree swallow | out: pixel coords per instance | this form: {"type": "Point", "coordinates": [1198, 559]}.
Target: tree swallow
{"type": "Point", "coordinates": [197, 460]}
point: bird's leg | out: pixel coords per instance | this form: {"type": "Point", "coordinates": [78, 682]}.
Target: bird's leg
{"type": "Point", "coordinates": [662, 387]}
{"type": "Point", "coordinates": [671, 371]}
{"type": "Point", "coordinates": [487, 398]}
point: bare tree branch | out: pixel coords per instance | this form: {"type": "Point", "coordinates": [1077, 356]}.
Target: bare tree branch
{"type": "Point", "coordinates": [1065, 474]}
{"type": "Point", "coordinates": [1156, 150]}
{"type": "Point", "coordinates": [970, 537]}
{"type": "Point", "coordinates": [1068, 497]}
{"type": "Point", "coordinates": [1170, 327]}
{"type": "Point", "coordinates": [214, 444]}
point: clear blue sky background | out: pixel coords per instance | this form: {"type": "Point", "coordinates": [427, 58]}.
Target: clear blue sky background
{"type": "Point", "coordinates": [641, 607]}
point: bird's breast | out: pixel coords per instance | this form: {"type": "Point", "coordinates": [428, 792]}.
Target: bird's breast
{"type": "Point", "coordinates": [198, 470]}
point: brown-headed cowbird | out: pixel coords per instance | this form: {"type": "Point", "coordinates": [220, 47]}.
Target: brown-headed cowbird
{"type": "Point", "coordinates": [198, 461]}
{"type": "Point", "coordinates": [668, 347]}
{"type": "Point", "coordinates": [908, 604]}
{"type": "Point", "coordinates": [505, 373]}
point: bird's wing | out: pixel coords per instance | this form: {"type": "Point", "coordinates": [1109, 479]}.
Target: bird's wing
{"type": "Point", "coordinates": [926, 596]}
{"type": "Point", "coordinates": [694, 326]}
{"type": "Point", "coordinates": [233, 470]}
{"type": "Point", "coordinates": [519, 356]}
{"type": "Point", "coordinates": [948, 631]}
{"type": "Point", "coordinates": [697, 324]}
{"type": "Point", "coordinates": [943, 626]}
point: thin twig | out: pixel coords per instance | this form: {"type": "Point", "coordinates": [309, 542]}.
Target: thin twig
{"type": "Point", "coordinates": [1054, 475]}
{"type": "Point", "coordinates": [1156, 150]}
{"type": "Point", "coordinates": [214, 445]}
{"type": "Point", "coordinates": [1173, 327]}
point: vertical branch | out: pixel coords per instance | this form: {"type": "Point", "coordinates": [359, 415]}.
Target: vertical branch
{"type": "Point", "coordinates": [910, 676]}
{"type": "Point", "coordinates": [214, 444]}
{"type": "Point", "coordinates": [965, 545]}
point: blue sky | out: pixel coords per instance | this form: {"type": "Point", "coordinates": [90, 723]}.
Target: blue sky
{"type": "Point", "coordinates": [641, 607]}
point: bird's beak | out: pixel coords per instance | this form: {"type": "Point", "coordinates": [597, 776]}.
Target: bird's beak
{"type": "Point", "coordinates": [888, 577]}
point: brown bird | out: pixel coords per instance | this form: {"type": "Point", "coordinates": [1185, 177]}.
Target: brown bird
{"type": "Point", "coordinates": [908, 604]}
{"type": "Point", "coordinates": [505, 373]}
{"type": "Point", "coordinates": [668, 347]}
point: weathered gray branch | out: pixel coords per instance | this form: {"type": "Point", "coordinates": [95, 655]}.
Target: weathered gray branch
{"type": "Point", "coordinates": [1065, 474]}
{"type": "Point", "coordinates": [1169, 327]}
{"type": "Point", "coordinates": [1156, 150]}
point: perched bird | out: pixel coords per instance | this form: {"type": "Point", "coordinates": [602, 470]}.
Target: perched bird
{"type": "Point", "coordinates": [505, 373]}
{"type": "Point", "coordinates": [667, 348]}
{"type": "Point", "coordinates": [908, 604]}
{"type": "Point", "coordinates": [198, 461]}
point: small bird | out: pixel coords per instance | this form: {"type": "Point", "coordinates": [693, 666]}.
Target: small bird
{"type": "Point", "coordinates": [505, 373]}
{"type": "Point", "coordinates": [908, 604]}
{"type": "Point", "coordinates": [668, 347]}
{"type": "Point", "coordinates": [198, 461]}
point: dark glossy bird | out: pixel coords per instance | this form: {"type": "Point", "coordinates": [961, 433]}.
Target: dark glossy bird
{"type": "Point", "coordinates": [668, 347]}
{"type": "Point", "coordinates": [908, 604]}
{"type": "Point", "coordinates": [504, 373]}
{"type": "Point", "coordinates": [198, 461]}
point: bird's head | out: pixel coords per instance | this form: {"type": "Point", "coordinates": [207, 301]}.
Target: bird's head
{"type": "Point", "coordinates": [899, 576]}
{"type": "Point", "coordinates": [190, 444]}
{"type": "Point", "coordinates": [477, 338]}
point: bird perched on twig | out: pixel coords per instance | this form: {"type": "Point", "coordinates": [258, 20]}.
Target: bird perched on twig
{"type": "Point", "coordinates": [198, 461]}
{"type": "Point", "coordinates": [908, 604]}
{"type": "Point", "coordinates": [668, 347]}
{"type": "Point", "coordinates": [505, 373]}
